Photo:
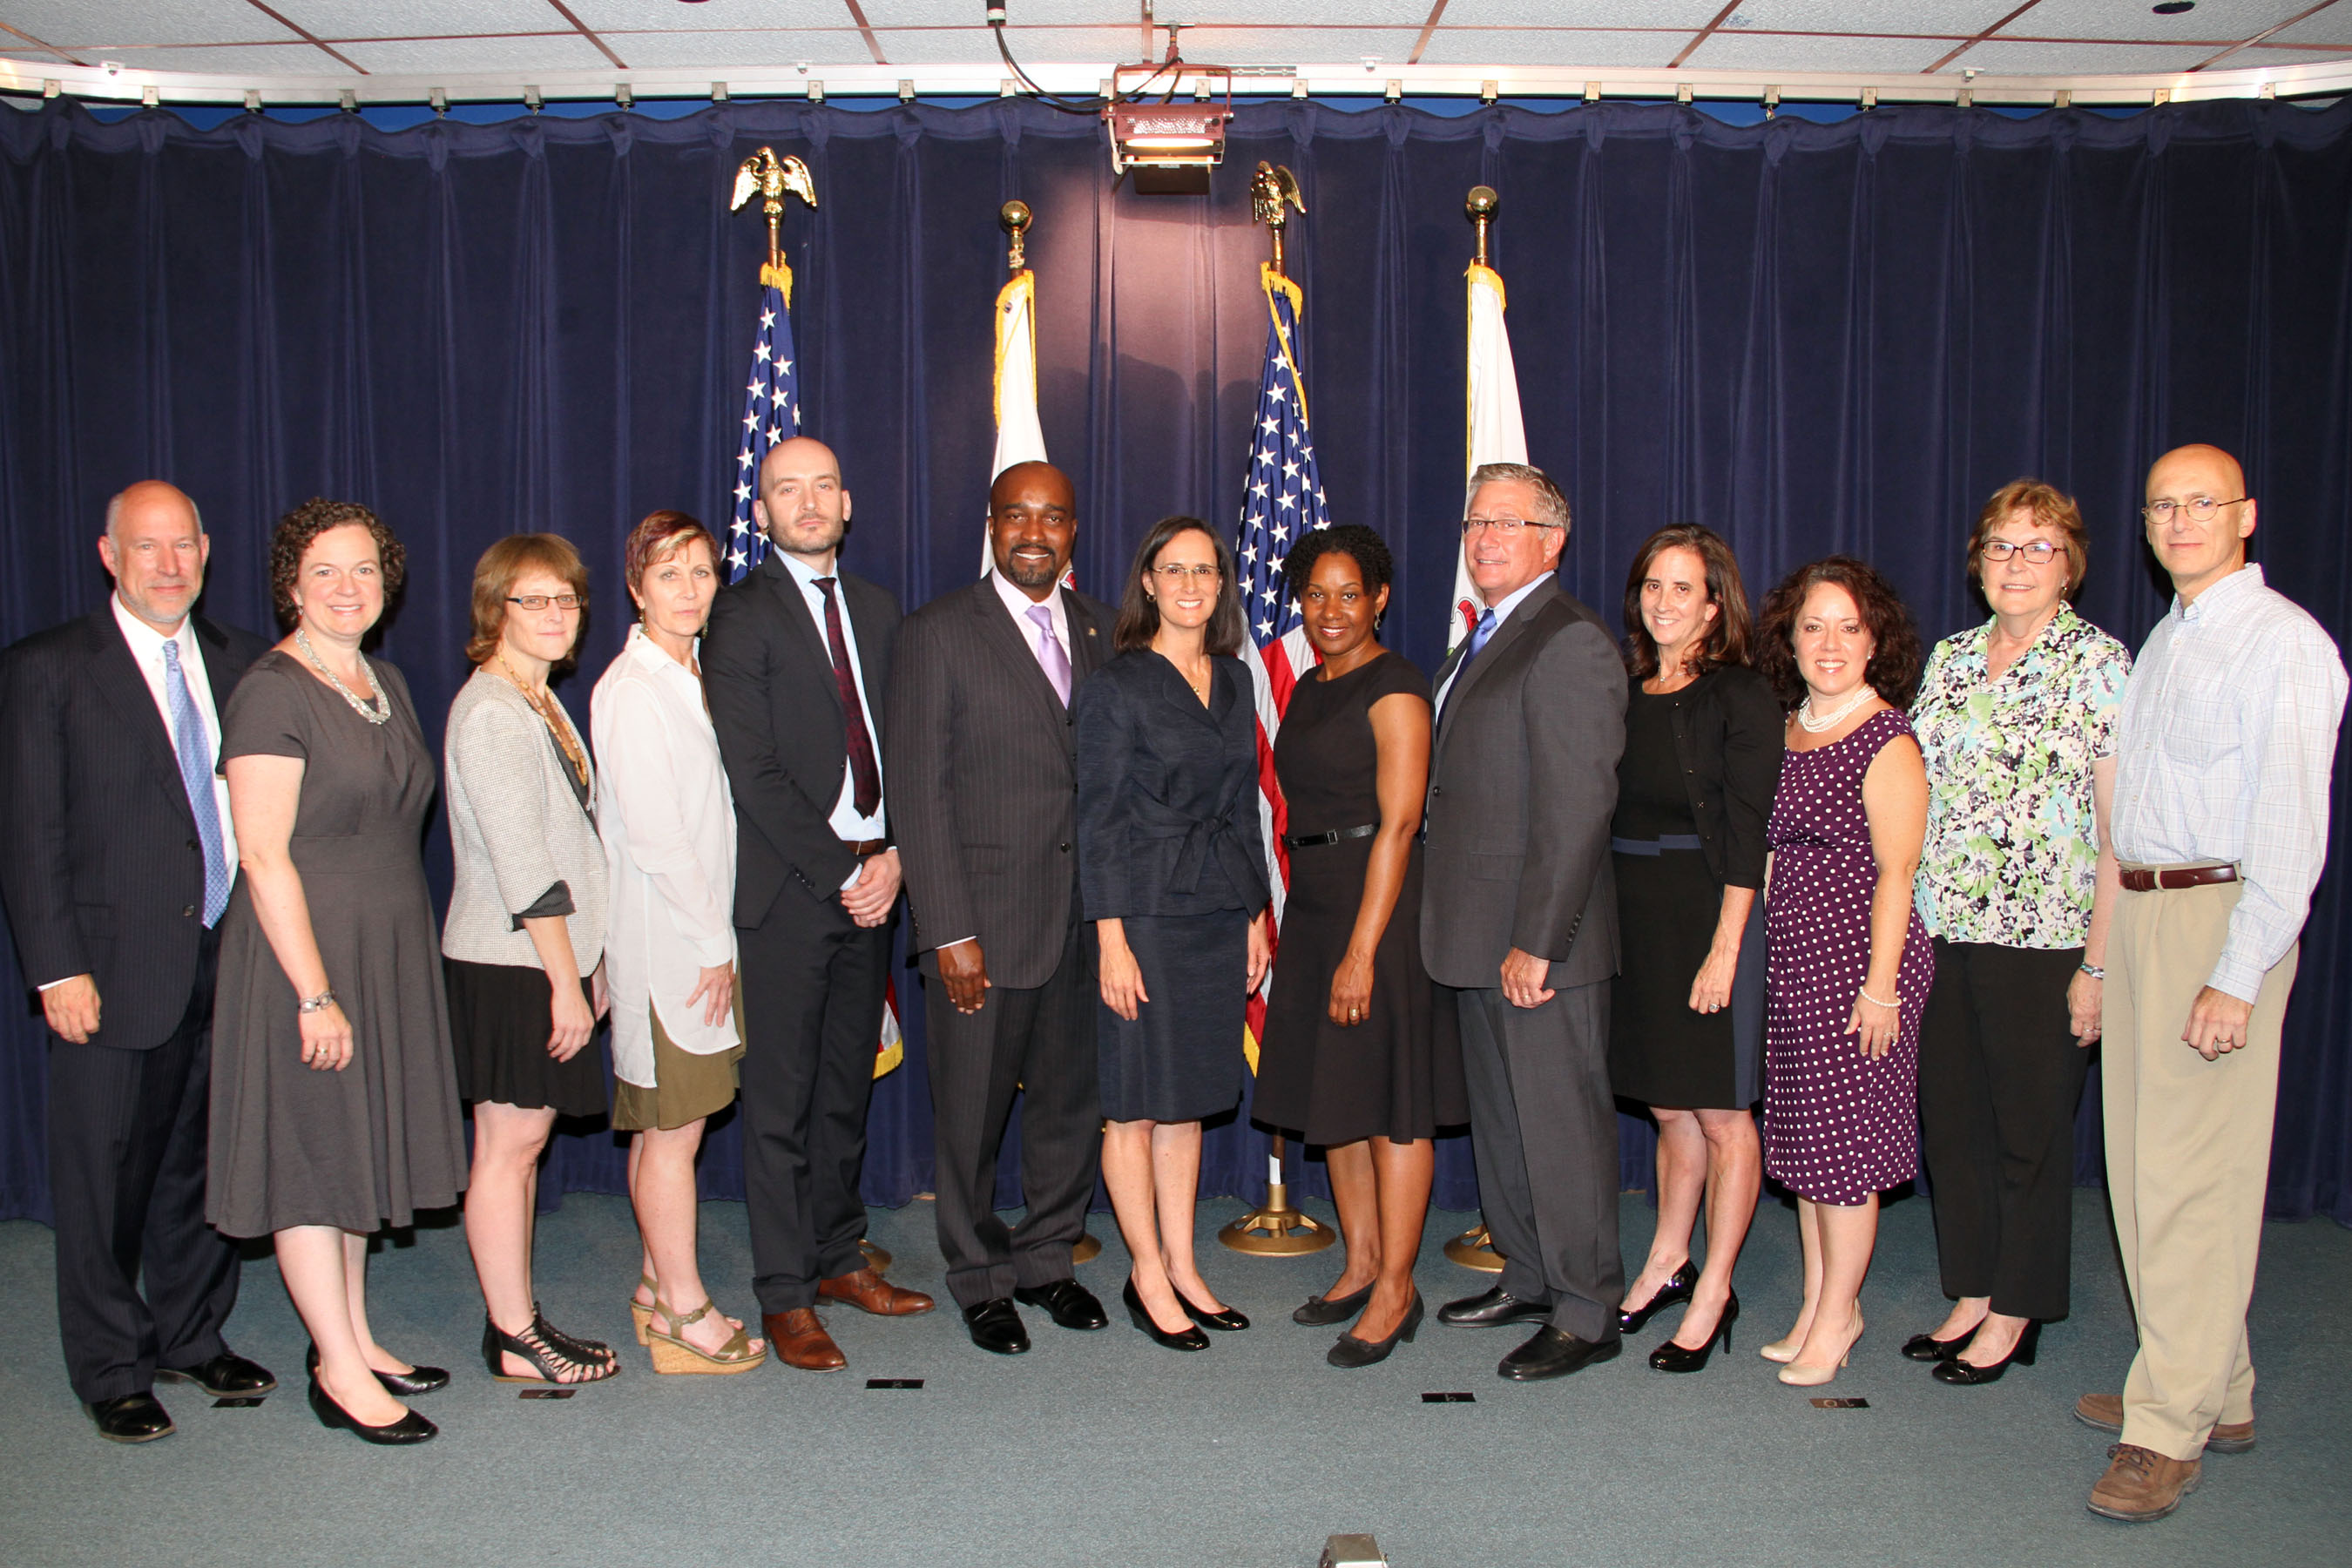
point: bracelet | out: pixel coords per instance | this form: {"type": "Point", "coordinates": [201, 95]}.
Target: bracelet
{"type": "Point", "coordinates": [318, 1004]}
{"type": "Point", "coordinates": [2092, 970]}
{"type": "Point", "coordinates": [1874, 1001]}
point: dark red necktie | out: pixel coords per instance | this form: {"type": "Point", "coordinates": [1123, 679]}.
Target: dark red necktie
{"type": "Point", "coordinates": [866, 779]}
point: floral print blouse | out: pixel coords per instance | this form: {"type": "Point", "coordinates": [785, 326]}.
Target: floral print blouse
{"type": "Point", "coordinates": [2012, 854]}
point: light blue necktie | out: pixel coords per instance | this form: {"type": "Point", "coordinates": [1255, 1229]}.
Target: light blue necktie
{"type": "Point", "coordinates": [1478, 638]}
{"type": "Point", "coordinates": [196, 773]}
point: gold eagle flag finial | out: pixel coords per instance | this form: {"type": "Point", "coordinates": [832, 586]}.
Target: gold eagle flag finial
{"type": "Point", "coordinates": [773, 177]}
{"type": "Point", "coordinates": [1270, 188]}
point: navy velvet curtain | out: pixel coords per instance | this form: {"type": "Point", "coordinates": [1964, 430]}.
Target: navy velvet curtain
{"type": "Point", "coordinates": [1811, 337]}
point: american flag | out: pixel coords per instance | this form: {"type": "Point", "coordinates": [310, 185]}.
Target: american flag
{"type": "Point", "coordinates": [772, 412]}
{"type": "Point", "coordinates": [1284, 500]}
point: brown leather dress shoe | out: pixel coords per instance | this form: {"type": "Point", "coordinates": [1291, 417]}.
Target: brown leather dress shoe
{"type": "Point", "coordinates": [869, 1292]}
{"type": "Point", "coordinates": [800, 1340]}
{"type": "Point", "coordinates": [2105, 1412]}
{"type": "Point", "coordinates": [2141, 1484]}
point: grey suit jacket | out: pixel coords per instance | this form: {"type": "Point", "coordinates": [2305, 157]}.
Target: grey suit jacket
{"type": "Point", "coordinates": [978, 762]}
{"type": "Point", "coordinates": [1522, 783]}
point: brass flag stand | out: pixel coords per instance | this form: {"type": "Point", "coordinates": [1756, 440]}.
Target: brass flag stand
{"type": "Point", "coordinates": [1276, 1227]}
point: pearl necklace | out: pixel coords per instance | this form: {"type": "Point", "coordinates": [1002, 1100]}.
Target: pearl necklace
{"type": "Point", "coordinates": [381, 713]}
{"type": "Point", "coordinates": [1835, 716]}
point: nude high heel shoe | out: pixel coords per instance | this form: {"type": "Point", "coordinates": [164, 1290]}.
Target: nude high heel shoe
{"type": "Point", "coordinates": [1797, 1376]}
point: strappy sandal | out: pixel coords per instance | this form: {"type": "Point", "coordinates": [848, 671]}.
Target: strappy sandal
{"type": "Point", "coordinates": [533, 1345]}
{"type": "Point", "coordinates": [573, 1345]}
{"type": "Point", "coordinates": [640, 1315]}
{"type": "Point", "coordinates": [673, 1354]}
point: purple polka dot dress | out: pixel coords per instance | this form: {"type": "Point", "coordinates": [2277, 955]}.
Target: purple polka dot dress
{"type": "Point", "coordinates": [1838, 1125]}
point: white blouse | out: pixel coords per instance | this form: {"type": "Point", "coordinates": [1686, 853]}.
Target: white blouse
{"type": "Point", "coordinates": [668, 820]}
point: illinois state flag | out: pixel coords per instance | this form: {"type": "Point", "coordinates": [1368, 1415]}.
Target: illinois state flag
{"type": "Point", "coordinates": [1496, 433]}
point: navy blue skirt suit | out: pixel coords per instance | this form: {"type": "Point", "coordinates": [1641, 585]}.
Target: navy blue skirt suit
{"type": "Point", "coordinates": [1172, 844]}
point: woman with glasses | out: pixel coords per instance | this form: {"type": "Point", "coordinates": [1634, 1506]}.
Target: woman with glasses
{"type": "Point", "coordinates": [1686, 1012]}
{"type": "Point", "coordinates": [1171, 871]}
{"type": "Point", "coordinates": [524, 942]}
{"type": "Point", "coordinates": [2017, 719]}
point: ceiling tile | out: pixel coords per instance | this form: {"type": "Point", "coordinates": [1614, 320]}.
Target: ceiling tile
{"type": "Point", "coordinates": [1998, 56]}
{"type": "Point", "coordinates": [1031, 46]}
{"type": "Point", "coordinates": [1749, 51]}
{"type": "Point", "coordinates": [961, 14]}
{"type": "Point", "coordinates": [1293, 45]}
{"type": "Point", "coordinates": [1963, 17]}
{"type": "Point", "coordinates": [741, 48]}
{"type": "Point", "coordinates": [74, 24]}
{"type": "Point", "coordinates": [1451, 46]}
{"type": "Point", "coordinates": [2228, 21]}
{"type": "Point", "coordinates": [419, 18]}
{"type": "Point", "coordinates": [251, 60]}
{"type": "Point", "coordinates": [467, 56]}
{"type": "Point", "coordinates": [2333, 26]}
{"type": "Point", "coordinates": [1678, 15]}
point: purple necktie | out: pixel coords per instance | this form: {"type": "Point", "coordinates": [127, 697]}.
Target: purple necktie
{"type": "Point", "coordinates": [1049, 652]}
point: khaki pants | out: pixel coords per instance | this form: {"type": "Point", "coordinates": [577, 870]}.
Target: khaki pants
{"type": "Point", "coordinates": [2189, 1145]}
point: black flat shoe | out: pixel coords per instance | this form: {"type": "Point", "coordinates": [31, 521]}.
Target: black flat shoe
{"type": "Point", "coordinates": [406, 1385]}
{"type": "Point", "coordinates": [1555, 1353]}
{"type": "Point", "coordinates": [1352, 1352]}
{"type": "Point", "coordinates": [1962, 1374]}
{"type": "Point", "coordinates": [226, 1376]}
{"type": "Point", "coordinates": [1320, 1311]}
{"type": "Point", "coordinates": [1491, 1309]}
{"type": "Point", "coordinates": [995, 1326]}
{"type": "Point", "coordinates": [1928, 1347]}
{"type": "Point", "coordinates": [410, 1429]}
{"type": "Point", "coordinates": [1070, 1304]}
{"type": "Point", "coordinates": [1225, 1321]}
{"type": "Point", "coordinates": [1678, 1288]}
{"type": "Point", "coordinates": [1190, 1339]}
{"type": "Point", "coordinates": [131, 1418]}
{"type": "Point", "coordinates": [1672, 1357]}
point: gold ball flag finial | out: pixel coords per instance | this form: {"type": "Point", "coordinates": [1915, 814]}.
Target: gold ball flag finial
{"type": "Point", "coordinates": [1015, 217]}
{"type": "Point", "coordinates": [1480, 206]}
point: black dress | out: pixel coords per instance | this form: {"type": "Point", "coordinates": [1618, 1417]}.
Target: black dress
{"type": "Point", "coordinates": [1660, 1051]}
{"type": "Point", "coordinates": [1398, 1074]}
{"type": "Point", "coordinates": [1170, 843]}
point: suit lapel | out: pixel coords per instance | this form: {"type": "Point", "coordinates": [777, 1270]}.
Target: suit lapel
{"type": "Point", "coordinates": [1090, 643]}
{"type": "Point", "coordinates": [1010, 645]}
{"type": "Point", "coordinates": [800, 625]}
{"type": "Point", "coordinates": [216, 671]}
{"type": "Point", "coordinates": [1515, 626]}
{"type": "Point", "coordinates": [118, 677]}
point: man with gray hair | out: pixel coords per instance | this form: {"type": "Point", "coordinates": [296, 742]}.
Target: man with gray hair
{"type": "Point", "coordinates": [116, 856]}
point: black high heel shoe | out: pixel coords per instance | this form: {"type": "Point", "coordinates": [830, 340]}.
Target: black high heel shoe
{"type": "Point", "coordinates": [1962, 1375]}
{"type": "Point", "coordinates": [1225, 1320]}
{"type": "Point", "coordinates": [1189, 1340]}
{"type": "Point", "coordinates": [1928, 1347]}
{"type": "Point", "coordinates": [1352, 1352]}
{"type": "Point", "coordinates": [1322, 1310]}
{"type": "Point", "coordinates": [410, 1429]}
{"type": "Point", "coordinates": [406, 1385]}
{"type": "Point", "coordinates": [1678, 1286]}
{"type": "Point", "coordinates": [1672, 1357]}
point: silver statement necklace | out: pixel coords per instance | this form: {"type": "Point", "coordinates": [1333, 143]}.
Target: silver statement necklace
{"type": "Point", "coordinates": [381, 713]}
{"type": "Point", "coordinates": [1815, 724]}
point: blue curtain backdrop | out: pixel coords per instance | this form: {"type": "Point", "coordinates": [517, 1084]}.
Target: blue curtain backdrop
{"type": "Point", "coordinates": [1811, 337]}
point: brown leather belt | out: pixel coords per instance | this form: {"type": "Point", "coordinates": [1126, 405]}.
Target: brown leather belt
{"type": "Point", "coordinates": [862, 847]}
{"type": "Point", "coordinates": [2143, 882]}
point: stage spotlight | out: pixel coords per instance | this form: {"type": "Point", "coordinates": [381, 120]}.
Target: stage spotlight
{"type": "Point", "coordinates": [1351, 1552]}
{"type": "Point", "coordinates": [1171, 146]}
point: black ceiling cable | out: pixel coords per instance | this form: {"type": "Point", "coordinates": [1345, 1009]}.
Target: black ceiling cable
{"type": "Point", "coordinates": [1092, 106]}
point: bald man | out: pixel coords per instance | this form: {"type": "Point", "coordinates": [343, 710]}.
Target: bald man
{"type": "Point", "coordinates": [2223, 754]}
{"type": "Point", "coordinates": [795, 664]}
{"type": "Point", "coordinates": [983, 783]}
{"type": "Point", "coordinates": [116, 854]}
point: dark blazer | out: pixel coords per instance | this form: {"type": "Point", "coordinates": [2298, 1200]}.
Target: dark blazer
{"type": "Point", "coordinates": [1728, 735]}
{"type": "Point", "coordinates": [1170, 818]}
{"type": "Point", "coordinates": [1522, 781]}
{"type": "Point", "coordinates": [777, 709]}
{"type": "Point", "coordinates": [100, 863]}
{"type": "Point", "coordinates": [982, 774]}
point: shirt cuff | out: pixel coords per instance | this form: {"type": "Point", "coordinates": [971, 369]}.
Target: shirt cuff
{"type": "Point", "coordinates": [53, 984]}
{"type": "Point", "coordinates": [960, 940]}
{"type": "Point", "coordinates": [555, 901]}
{"type": "Point", "coordinates": [2237, 976]}
{"type": "Point", "coordinates": [854, 876]}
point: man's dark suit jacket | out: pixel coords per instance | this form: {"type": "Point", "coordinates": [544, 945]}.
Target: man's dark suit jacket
{"type": "Point", "coordinates": [777, 709]}
{"type": "Point", "coordinates": [982, 771]}
{"type": "Point", "coordinates": [1522, 783]}
{"type": "Point", "coordinates": [100, 863]}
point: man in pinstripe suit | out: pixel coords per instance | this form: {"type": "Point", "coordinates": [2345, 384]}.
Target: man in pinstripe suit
{"type": "Point", "coordinates": [982, 764]}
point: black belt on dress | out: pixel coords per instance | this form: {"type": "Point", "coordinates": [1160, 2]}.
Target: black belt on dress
{"type": "Point", "coordinates": [1310, 840]}
{"type": "Point", "coordinates": [2148, 881]}
{"type": "Point", "coordinates": [1654, 845]}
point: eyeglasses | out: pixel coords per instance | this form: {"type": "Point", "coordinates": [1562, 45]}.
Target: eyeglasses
{"type": "Point", "coordinates": [1175, 575]}
{"type": "Point", "coordinates": [1508, 527]}
{"type": "Point", "coordinates": [2041, 552]}
{"type": "Point", "coordinates": [2200, 509]}
{"type": "Point", "coordinates": [537, 602]}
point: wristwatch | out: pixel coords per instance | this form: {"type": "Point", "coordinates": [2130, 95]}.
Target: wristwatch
{"type": "Point", "coordinates": [318, 1004]}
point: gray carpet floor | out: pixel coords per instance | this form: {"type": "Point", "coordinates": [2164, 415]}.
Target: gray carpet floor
{"type": "Point", "coordinates": [1103, 1450]}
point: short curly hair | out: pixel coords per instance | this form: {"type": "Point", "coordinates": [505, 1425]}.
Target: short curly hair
{"type": "Point", "coordinates": [1893, 669]}
{"type": "Point", "coordinates": [297, 530]}
{"type": "Point", "coordinates": [1360, 545]}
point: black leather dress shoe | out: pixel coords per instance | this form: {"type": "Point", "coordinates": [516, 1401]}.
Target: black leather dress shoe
{"type": "Point", "coordinates": [131, 1418]}
{"type": "Point", "coordinates": [1554, 1352]}
{"type": "Point", "coordinates": [410, 1429]}
{"type": "Point", "coordinates": [995, 1326]}
{"type": "Point", "coordinates": [1491, 1309]}
{"type": "Point", "coordinates": [401, 1384]}
{"type": "Point", "coordinates": [1070, 1304]}
{"type": "Point", "coordinates": [226, 1376]}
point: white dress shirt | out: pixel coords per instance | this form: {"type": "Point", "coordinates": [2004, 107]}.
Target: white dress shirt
{"type": "Point", "coordinates": [2224, 749]}
{"type": "Point", "coordinates": [846, 820]}
{"type": "Point", "coordinates": [668, 821]}
{"type": "Point", "coordinates": [1511, 601]}
{"type": "Point", "coordinates": [147, 651]}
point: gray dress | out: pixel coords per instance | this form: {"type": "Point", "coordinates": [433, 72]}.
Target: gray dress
{"type": "Point", "coordinates": [370, 1145]}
